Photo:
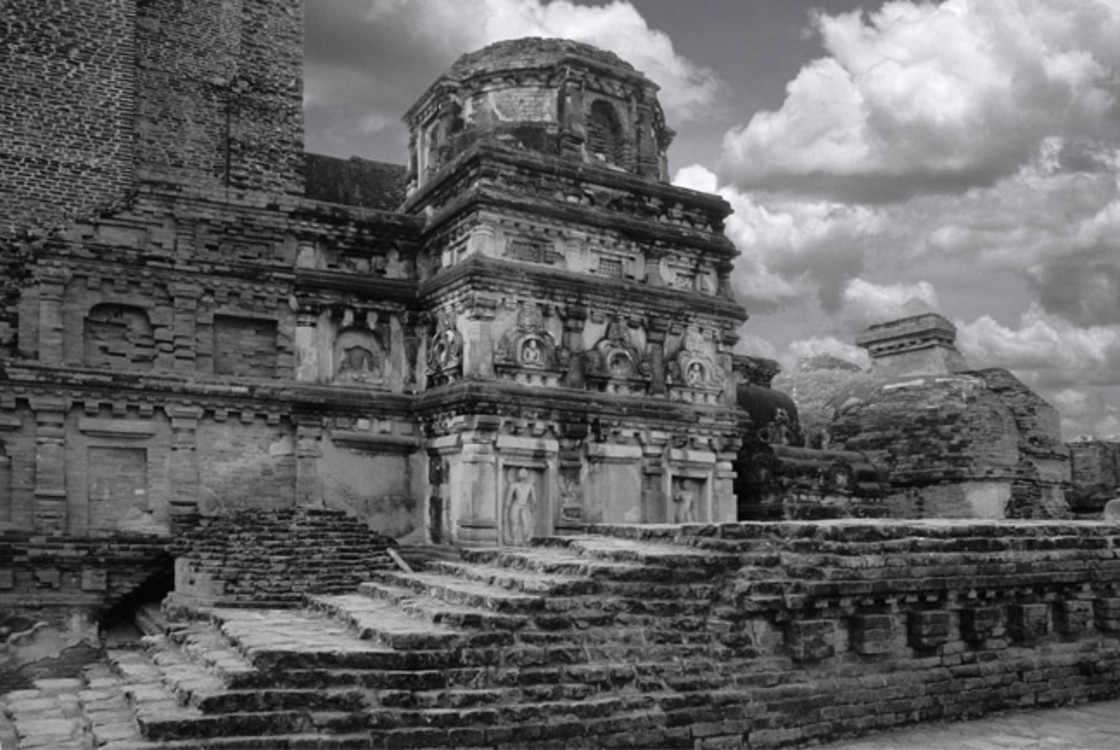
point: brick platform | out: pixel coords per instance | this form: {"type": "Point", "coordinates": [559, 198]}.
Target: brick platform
{"type": "Point", "coordinates": [703, 636]}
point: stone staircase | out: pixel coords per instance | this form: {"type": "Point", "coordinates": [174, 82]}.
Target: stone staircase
{"type": "Point", "coordinates": [585, 641]}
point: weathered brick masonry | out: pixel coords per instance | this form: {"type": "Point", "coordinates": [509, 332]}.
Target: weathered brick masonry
{"type": "Point", "coordinates": [67, 103]}
{"type": "Point", "coordinates": [701, 636]}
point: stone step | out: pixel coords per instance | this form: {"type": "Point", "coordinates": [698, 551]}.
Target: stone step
{"type": "Point", "coordinates": [162, 727]}
{"type": "Point", "coordinates": [352, 741]}
{"type": "Point", "coordinates": [558, 560]}
{"type": "Point", "coordinates": [204, 643]}
{"type": "Point", "coordinates": [436, 610]}
{"type": "Point", "coordinates": [464, 593]}
{"type": "Point", "coordinates": [685, 563]}
{"type": "Point", "coordinates": [522, 581]}
{"type": "Point", "coordinates": [382, 621]}
{"type": "Point", "coordinates": [276, 641]}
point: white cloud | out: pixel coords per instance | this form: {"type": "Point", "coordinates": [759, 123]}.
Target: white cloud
{"type": "Point", "coordinates": [815, 346]}
{"type": "Point", "coordinates": [791, 249]}
{"type": "Point", "coordinates": [930, 97]}
{"type": "Point", "coordinates": [378, 56]}
{"type": "Point", "coordinates": [1046, 350]}
{"type": "Point", "coordinates": [866, 302]}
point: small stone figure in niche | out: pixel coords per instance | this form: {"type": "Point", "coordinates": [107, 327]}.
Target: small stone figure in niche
{"type": "Point", "coordinates": [686, 501]}
{"type": "Point", "coordinates": [357, 363]}
{"type": "Point", "coordinates": [695, 375]}
{"type": "Point", "coordinates": [531, 352]}
{"type": "Point", "coordinates": [521, 502]}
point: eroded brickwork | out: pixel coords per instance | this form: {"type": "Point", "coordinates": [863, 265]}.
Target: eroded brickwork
{"type": "Point", "coordinates": [220, 93]}
{"type": "Point", "coordinates": [67, 105]}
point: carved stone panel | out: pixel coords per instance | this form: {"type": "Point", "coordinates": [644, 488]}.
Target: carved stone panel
{"type": "Point", "coordinates": [693, 375]}
{"type": "Point", "coordinates": [445, 351]}
{"type": "Point", "coordinates": [528, 352]}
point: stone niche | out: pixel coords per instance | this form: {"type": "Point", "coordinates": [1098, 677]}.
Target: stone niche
{"type": "Point", "coordinates": [118, 336]}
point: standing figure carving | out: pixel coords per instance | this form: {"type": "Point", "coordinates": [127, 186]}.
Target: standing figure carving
{"type": "Point", "coordinates": [521, 505]}
{"type": "Point", "coordinates": [685, 500]}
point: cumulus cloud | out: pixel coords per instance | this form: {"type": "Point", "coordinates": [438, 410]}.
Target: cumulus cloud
{"type": "Point", "coordinates": [794, 248]}
{"type": "Point", "coordinates": [1053, 352]}
{"type": "Point", "coordinates": [367, 61]}
{"type": "Point", "coordinates": [866, 302]}
{"type": "Point", "coordinates": [816, 346]}
{"type": "Point", "coordinates": [927, 97]}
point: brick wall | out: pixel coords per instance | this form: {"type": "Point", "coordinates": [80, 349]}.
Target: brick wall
{"type": "Point", "coordinates": [67, 83]}
{"type": "Point", "coordinates": [835, 628]}
{"type": "Point", "coordinates": [249, 465]}
{"type": "Point", "coordinates": [46, 578]}
{"type": "Point", "coordinates": [221, 89]}
{"type": "Point", "coordinates": [273, 557]}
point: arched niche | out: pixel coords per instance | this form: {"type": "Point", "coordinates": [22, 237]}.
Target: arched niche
{"type": "Point", "coordinates": [359, 357]}
{"type": "Point", "coordinates": [118, 335]}
{"type": "Point", "coordinates": [605, 139]}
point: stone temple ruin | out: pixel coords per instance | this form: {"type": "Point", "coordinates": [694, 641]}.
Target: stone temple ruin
{"type": "Point", "coordinates": [458, 454]}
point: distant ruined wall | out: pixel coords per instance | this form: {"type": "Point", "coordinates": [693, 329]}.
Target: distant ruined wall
{"type": "Point", "coordinates": [1096, 474]}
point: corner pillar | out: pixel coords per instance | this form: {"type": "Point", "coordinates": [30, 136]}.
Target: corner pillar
{"type": "Point", "coordinates": [475, 483]}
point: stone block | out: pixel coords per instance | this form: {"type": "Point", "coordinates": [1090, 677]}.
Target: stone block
{"type": "Point", "coordinates": [1073, 616]}
{"type": "Point", "coordinates": [1026, 623]}
{"type": "Point", "coordinates": [811, 640]}
{"type": "Point", "coordinates": [981, 623]}
{"type": "Point", "coordinates": [47, 578]}
{"type": "Point", "coordinates": [929, 629]}
{"type": "Point", "coordinates": [7, 578]}
{"type": "Point", "coordinates": [873, 634]}
{"type": "Point", "coordinates": [95, 579]}
{"type": "Point", "coordinates": [1107, 612]}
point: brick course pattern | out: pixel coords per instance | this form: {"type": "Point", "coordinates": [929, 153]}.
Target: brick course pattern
{"type": "Point", "coordinates": [67, 97]}
{"type": "Point", "coordinates": [272, 558]}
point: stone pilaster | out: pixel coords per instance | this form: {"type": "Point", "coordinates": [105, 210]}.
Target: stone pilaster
{"type": "Point", "coordinates": [575, 317]}
{"type": "Point", "coordinates": [475, 485]}
{"type": "Point", "coordinates": [184, 467]}
{"type": "Point", "coordinates": [478, 338]}
{"type": "Point", "coordinates": [306, 346]}
{"type": "Point", "coordinates": [412, 325]}
{"type": "Point", "coordinates": [50, 465]}
{"type": "Point", "coordinates": [52, 288]}
{"type": "Point", "coordinates": [658, 330]}
{"type": "Point", "coordinates": [184, 325]}
{"type": "Point", "coordinates": [309, 490]}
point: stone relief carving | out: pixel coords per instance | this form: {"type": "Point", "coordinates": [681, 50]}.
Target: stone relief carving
{"type": "Point", "coordinates": [693, 372]}
{"type": "Point", "coordinates": [359, 357]}
{"type": "Point", "coordinates": [615, 364]}
{"type": "Point", "coordinates": [528, 351]}
{"type": "Point", "coordinates": [571, 498]}
{"type": "Point", "coordinates": [520, 507]}
{"type": "Point", "coordinates": [445, 350]}
{"type": "Point", "coordinates": [685, 496]}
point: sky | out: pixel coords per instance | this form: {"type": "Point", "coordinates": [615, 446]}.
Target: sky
{"type": "Point", "coordinates": [882, 159]}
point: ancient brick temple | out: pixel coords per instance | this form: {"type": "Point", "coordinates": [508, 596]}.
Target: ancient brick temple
{"type": "Point", "coordinates": [267, 365]}
{"type": "Point", "coordinates": [526, 330]}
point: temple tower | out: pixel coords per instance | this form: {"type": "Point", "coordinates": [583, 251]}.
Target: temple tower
{"type": "Point", "coordinates": [580, 306]}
